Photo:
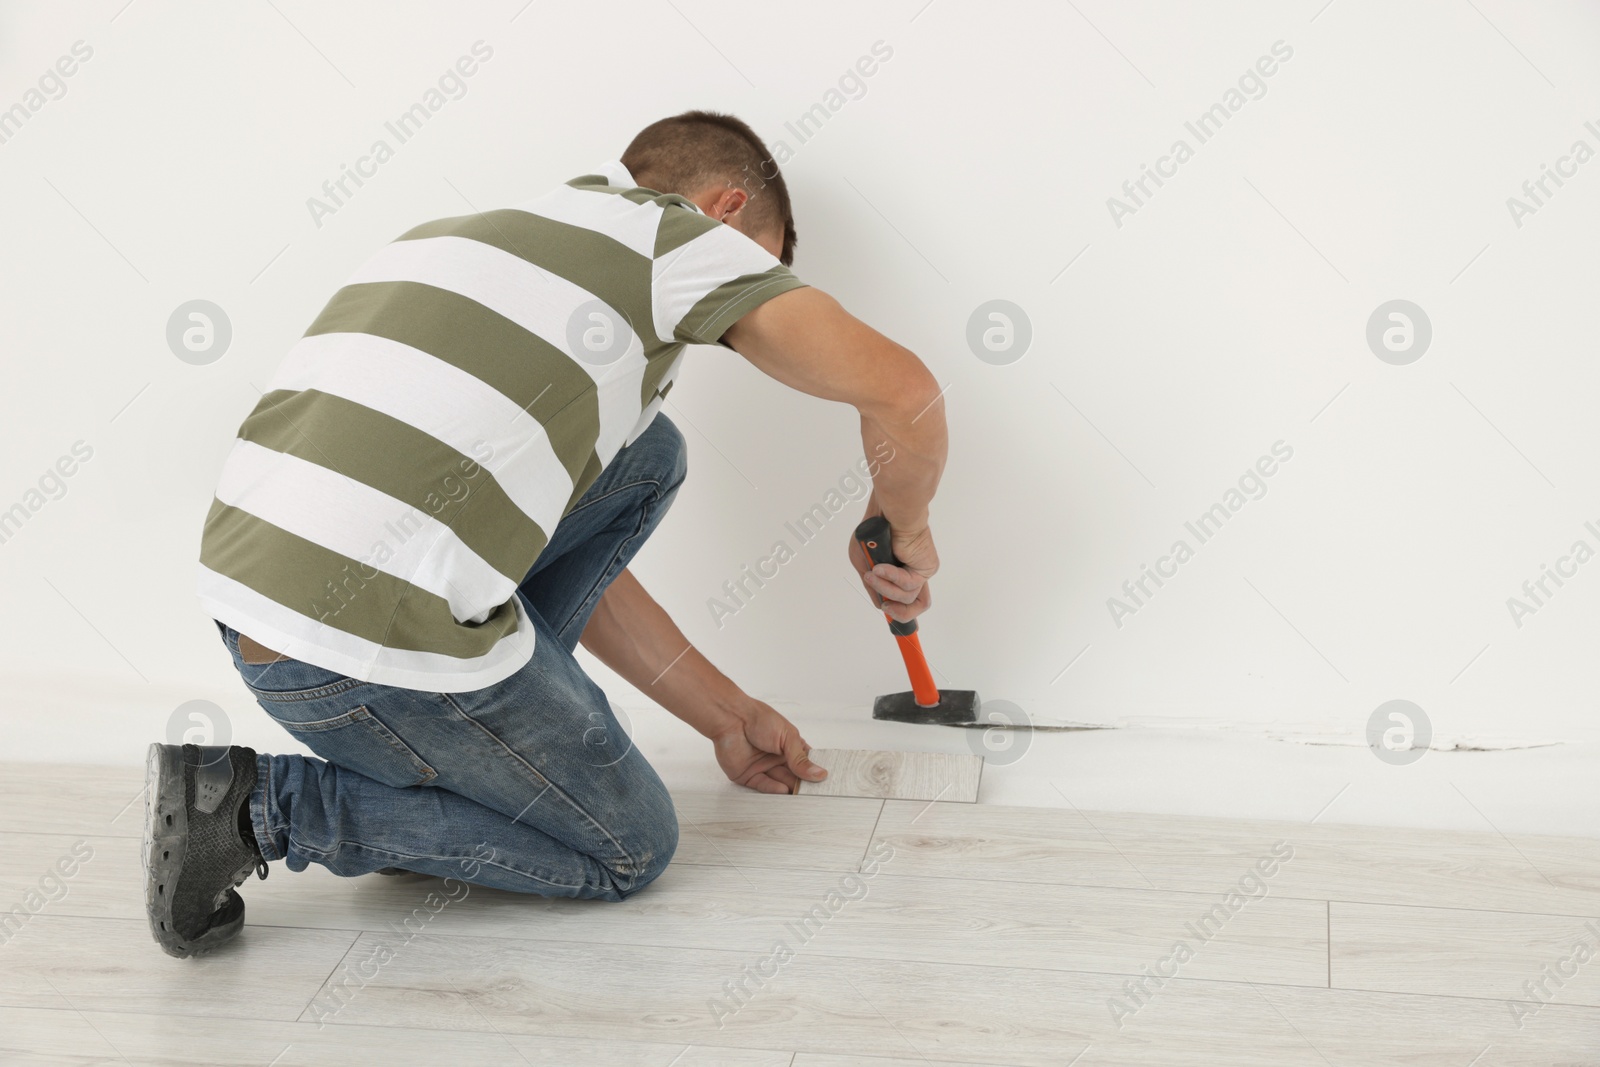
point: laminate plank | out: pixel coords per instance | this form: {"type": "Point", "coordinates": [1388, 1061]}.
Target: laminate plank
{"type": "Point", "coordinates": [874, 915]}
{"type": "Point", "coordinates": [72, 798]}
{"type": "Point", "coordinates": [1522, 961]}
{"type": "Point", "coordinates": [40, 1037]}
{"type": "Point", "coordinates": [1551, 875]}
{"type": "Point", "coordinates": [647, 994]}
{"type": "Point", "coordinates": [1189, 1024]}
{"type": "Point", "coordinates": [57, 961]}
{"type": "Point", "coordinates": [737, 827]}
{"type": "Point", "coordinates": [1198, 1024]}
{"type": "Point", "coordinates": [933, 920]}
{"type": "Point", "coordinates": [862, 772]}
{"type": "Point", "coordinates": [938, 1012]}
{"type": "Point", "coordinates": [827, 1059]}
{"type": "Point", "coordinates": [545, 1051]}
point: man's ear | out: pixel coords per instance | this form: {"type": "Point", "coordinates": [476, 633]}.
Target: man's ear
{"type": "Point", "coordinates": [728, 203]}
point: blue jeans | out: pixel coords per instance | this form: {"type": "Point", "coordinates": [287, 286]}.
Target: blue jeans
{"type": "Point", "coordinates": [528, 785]}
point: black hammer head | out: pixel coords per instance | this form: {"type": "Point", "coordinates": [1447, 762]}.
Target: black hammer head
{"type": "Point", "coordinates": [956, 707]}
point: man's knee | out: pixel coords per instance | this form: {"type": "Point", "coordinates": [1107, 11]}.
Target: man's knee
{"type": "Point", "coordinates": [650, 849]}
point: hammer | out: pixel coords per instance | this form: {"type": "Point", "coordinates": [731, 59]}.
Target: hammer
{"type": "Point", "coordinates": [925, 704]}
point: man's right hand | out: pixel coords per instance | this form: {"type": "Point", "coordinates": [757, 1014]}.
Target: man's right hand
{"type": "Point", "coordinates": [901, 592]}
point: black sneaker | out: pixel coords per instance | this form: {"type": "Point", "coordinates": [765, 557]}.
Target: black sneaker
{"type": "Point", "coordinates": [196, 845]}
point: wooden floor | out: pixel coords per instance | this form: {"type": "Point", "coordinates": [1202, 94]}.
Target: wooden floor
{"type": "Point", "coordinates": [862, 932]}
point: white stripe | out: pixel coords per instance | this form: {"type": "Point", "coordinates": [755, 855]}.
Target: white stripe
{"type": "Point", "coordinates": [358, 521]}
{"type": "Point", "coordinates": [616, 174]}
{"type": "Point", "coordinates": [440, 400]}
{"type": "Point", "coordinates": [537, 300]}
{"type": "Point", "coordinates": [627, 223]}
{"type": "Point", "coordinates": [647, 416]}
{"type": "Point", "coordinates": [685, 275]}
{"type": "Point", "coordinates": [304, 638]}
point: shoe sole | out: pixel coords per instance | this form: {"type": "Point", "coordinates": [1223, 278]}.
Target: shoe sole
{"type": "Point", "coordinates": [166, 838]}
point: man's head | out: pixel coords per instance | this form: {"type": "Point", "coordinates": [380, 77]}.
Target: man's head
{"type": "Point", "coordinates": [718, 162]}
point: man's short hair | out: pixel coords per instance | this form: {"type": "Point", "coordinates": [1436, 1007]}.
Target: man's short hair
{"type": "Point", "coordinates": [687, 153]}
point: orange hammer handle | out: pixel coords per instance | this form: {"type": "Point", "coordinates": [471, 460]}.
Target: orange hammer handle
{"type": "Point", "coordinates": [922, 687]}
{"type": "Point", "coordinates": [873, 535]}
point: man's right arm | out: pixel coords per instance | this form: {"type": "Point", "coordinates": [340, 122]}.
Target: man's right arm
{"type": "Point", "coordinates": [807, 341]}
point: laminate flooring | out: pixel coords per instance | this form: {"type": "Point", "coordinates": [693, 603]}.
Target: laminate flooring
{"type": "Point", "coordinates": [809, 931]}
{"type": "Point", "coordinates": [889, 775]}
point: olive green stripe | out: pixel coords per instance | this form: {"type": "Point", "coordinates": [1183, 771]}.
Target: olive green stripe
{"type": "Point", "coordinates": [678, 228]}
{"type": "Point", "coordinates": [652, 381]}
{"type": "Point", "coordinates": [343, 593]}
{"type": "Point", "coordinates": [729, 302]}
{"type": "Point", "coordinates": [591, 471]}
{"type": "Point", "coordinates": [594, 262]}
{"type": "Point", "coordinates": [435, 227]}
{"type": "Point", "coordinates": [401, 461]}
{"type": "Point", "coordinates": [596, 183]}
{"type": "Point", "coordinates": [534, 375]}
{"type": "Point", "coordinates": [651, 196]}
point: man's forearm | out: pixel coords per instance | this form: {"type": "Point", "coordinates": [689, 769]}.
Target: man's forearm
{"type": "Point", "coordinates": [634, 636]}
{"type": "Point", "coordinates": [807, 341]}
{"type": "Point", "coordinates": [909, 471]}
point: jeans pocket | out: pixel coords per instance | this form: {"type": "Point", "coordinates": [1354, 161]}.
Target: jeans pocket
{"type": "Point", "coordinates": [359, 741]}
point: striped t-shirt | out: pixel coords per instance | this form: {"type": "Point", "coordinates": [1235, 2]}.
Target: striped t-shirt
{"type": "Point", "coordinates": [450, 404]}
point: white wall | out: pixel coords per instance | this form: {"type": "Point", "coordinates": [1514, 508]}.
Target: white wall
{"type": "Point", "coordinates": [1228, 313]}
